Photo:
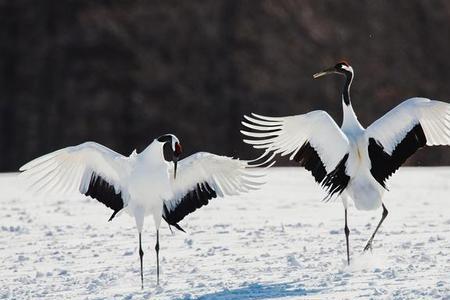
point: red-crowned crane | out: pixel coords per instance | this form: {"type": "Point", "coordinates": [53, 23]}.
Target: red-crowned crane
{"type": "Point", "coordinates": [142, 184]}
{"type": "Point", "coordinates": [352, 161]}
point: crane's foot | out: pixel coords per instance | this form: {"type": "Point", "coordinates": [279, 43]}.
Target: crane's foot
{"type": "Point", "coordinates": [368, 246]}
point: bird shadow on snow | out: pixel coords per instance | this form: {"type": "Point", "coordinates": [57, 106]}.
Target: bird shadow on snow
{"type": "Point", "coordinates": [258, 291]}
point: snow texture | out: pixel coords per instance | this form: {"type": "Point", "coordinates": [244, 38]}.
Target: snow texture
{"type": "Point", "coordinates": [281, 242]}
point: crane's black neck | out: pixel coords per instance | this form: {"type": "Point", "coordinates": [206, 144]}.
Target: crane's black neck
{"type": "Point", "coordinates": [346, 90]}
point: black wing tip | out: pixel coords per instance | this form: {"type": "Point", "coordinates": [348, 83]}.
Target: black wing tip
{"type": "Point", "coordinates": [385, 165]}
{"type": "Point", "coordinates": [104, 192]}
{"type": "Point", "coordinates": [337, 180]}
{"type": "Point", "coordinates": [190, 202]}
{"type": "Point", "coordinates": [113, 215]}
{"type": "Point", "coordinates": [178, 227]}
{"type": "Point", "coordinates": [174, 224]}
{"type": "Point", "coordinates": [334, 182]}
{"type": "Point", "coordinates": [308, 157]}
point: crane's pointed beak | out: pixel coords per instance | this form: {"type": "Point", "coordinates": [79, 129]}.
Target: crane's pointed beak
{"type": "Point", "coordinates": [175, 164]}
{"type": "Point", "coordinates": [324, 72]}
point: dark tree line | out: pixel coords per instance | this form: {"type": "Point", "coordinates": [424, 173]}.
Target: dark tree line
{"type": "Point", "coordinates": [123, 72]}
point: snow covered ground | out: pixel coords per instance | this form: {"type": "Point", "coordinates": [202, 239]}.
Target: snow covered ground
{"type": "Point", "coordinates": [281, 242]}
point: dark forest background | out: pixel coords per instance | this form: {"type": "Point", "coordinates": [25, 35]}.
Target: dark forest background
{"type": "Point", "coordinates": [123, 72]}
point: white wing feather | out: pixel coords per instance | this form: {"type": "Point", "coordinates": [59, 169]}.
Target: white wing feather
{"type": "Point", "coordinates": [70, 169]}
{"type": "Point", "coordinates": [433, 116]}
{"type": "Point", "coordinates": [227, 176]}
{"type": "Point", "coordinates": [286, 135]}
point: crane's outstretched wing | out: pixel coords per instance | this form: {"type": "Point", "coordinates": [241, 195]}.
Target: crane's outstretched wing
{"type": "Point", "coordinates": [203, 176]}
{"type": "Point", "coordinates": [313, 139]}
{"type": "Point", "coordinates": [89, 168]}
{"type": "Point", "coordinates": [397, 135]}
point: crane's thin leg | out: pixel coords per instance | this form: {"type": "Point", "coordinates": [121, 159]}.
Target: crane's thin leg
{"type": "Point", "coordinates": [157, 256]}
{"type": "Point", "coordinates": [347, 233]}
{"type": "Point", "coordinates": [141, 254]}
{"type": "Point", "coordinates": [383, 216]}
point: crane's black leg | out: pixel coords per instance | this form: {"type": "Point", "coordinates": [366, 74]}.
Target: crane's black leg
{"type": "Point", "coordinates": [383, 216]}
{"type": "Point", "coordinates": [347, 233]}
{"type": "Point", "coordinates": [157, 256]}
{"type": "Point", "coordinates": [141, 254]}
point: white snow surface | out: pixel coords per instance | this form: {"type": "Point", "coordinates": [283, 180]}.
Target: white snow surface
{"type": "Point", "coordinates": [281, 242]}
